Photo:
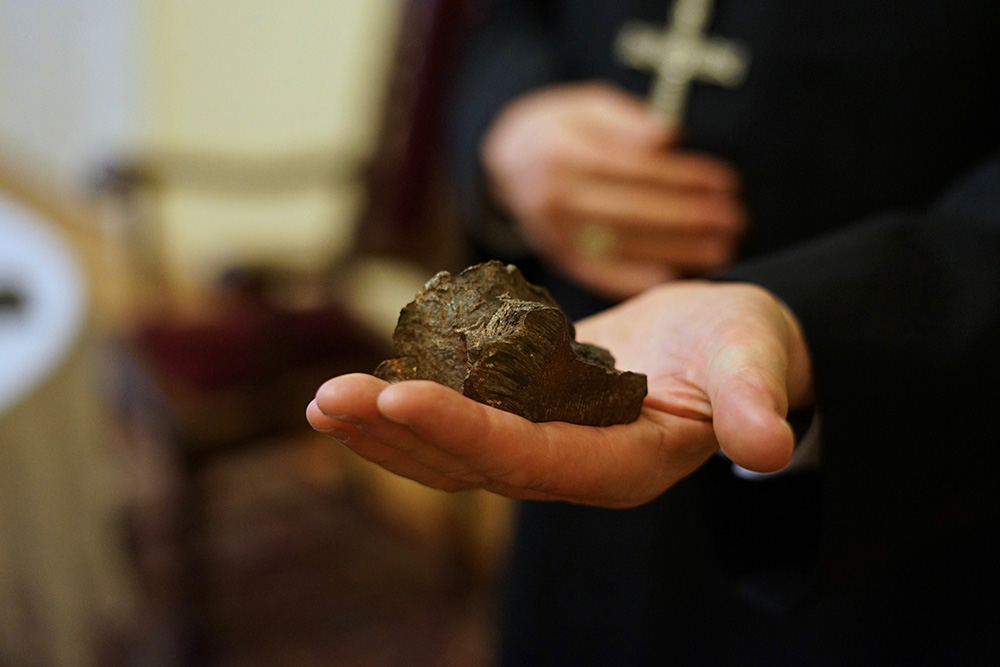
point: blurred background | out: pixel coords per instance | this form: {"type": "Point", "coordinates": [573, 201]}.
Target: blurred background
{"type": "Point", "coordinates": [206, 209]}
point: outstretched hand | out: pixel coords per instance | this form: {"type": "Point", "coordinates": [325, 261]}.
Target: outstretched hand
{"type": "Point", "coordinates": [724, 361]}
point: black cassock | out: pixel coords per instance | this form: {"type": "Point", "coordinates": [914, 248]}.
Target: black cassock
{"type": "Point", "coordinates": [867, 134]}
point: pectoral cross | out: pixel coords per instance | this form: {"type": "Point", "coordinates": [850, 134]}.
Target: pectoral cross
{"type": "Point", "coordinates": [681, 54]}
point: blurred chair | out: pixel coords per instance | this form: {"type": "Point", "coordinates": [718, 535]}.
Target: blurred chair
{"type": "Point", "coordinates": [198, 383]}
{"type": "Point", "coordinates": [66, 591]}
{"type": "Point", "coordinates": [234, 362]}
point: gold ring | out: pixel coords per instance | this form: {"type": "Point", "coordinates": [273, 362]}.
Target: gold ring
{"type": "Point", "coordinates": [595, 241]}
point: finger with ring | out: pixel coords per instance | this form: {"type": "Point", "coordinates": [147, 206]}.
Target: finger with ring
{"type": "Point", "coordinates": [595, 240]}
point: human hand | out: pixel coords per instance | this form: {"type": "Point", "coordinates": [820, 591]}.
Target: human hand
{"type": "Point", "coordinates": [724, 361]}
{"type": "Point", "coordinates": [731, 353]}
{"type": "Point", "coordinates": [569, 160]}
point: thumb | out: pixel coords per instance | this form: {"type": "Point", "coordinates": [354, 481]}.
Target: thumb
{"type": "Point", "coordinates": [747, 388]}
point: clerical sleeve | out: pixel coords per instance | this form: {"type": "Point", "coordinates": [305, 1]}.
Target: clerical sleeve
{"type": "Point", "coordinates": [901, 313]}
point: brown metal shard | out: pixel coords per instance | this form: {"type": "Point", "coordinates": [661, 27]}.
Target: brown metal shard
{"type": "Point", "coordinates": [493, 336]}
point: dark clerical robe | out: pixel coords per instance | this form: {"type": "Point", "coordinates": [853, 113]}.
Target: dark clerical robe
{"type": "Point", "coordinates": [867, 134]}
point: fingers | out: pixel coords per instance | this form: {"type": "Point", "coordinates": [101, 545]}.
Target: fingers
{"type": "Point", "coordinates": [614, 278]}
{"type": "Point", "coordinates": [501, 445]}
{"type": "Point", "coordinates": [648, 208]}
{"type": "Point", "coordinates": [750, 426]}
{"type": "Point", "coordinates": [590, 153]}
{"type": "Point", "coordinates": [380, 454]}
{"type": "Point", "coordinates": [692, 233]}
{"type": "Point", "coordinates": [618, 136]}
{"type": "Point", "coordinates": [544, 140]}
{"type": "Point", "coordinates": [601, 156]}
{"type": "Point", "coordinates": [694, 254]}
{"type": "Point", "coordinates": [616, 466]}
{"type": "Point", "coordinates": [345, 408]}
{"type": "Point", "coordinates": [729, 353]}
{"type": "Point", "coordinates": [746, 384]}
{"type": "Point", "coordinates": [664, 168]}
{"type": "Point", "coordinates": [611, 114]}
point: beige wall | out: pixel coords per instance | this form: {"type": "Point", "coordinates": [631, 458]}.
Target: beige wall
{"type": "Point", "coordinates": [68, 85]}
{"type": "Point", "coordinates": [84, 81]}
{"type": "Point", "coordinates": [263, 80]}
{"type": "Point", "coordinates": [265, 77]}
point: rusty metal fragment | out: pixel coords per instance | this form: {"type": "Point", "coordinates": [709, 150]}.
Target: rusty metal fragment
{"type": "Point", "coordinates": [491, 335]}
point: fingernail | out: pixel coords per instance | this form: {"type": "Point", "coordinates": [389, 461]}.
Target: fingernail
{"type": "Point", "coordinates": [396, 420]}
{"type": "Point", "coordinates": [350, 419]}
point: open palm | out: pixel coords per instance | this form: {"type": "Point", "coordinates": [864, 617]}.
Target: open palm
{"type": "Point", "coordinates": [718, 357]}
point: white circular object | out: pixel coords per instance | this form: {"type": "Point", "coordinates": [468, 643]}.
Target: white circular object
{"type": "Point", "coordinates": [42, 268]}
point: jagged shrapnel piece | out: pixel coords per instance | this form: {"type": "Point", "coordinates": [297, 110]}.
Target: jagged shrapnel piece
{"type": "Point", "coordinates": [491, 335]}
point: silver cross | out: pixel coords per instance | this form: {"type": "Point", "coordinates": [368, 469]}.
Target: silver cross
{"type": "Point", "coordinates": [681, 54]}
